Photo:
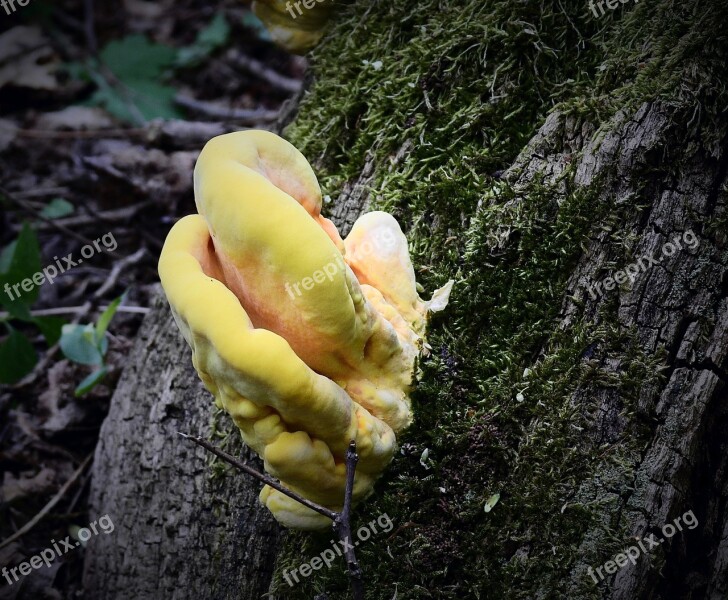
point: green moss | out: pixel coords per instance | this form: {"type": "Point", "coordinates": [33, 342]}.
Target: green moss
{"type": "Point", "coordinates": [505, 401]}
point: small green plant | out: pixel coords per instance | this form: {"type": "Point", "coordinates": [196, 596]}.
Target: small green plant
{"type": "Point", "coordinates": [21, 261]}
{"type": "Point", "coordinates": [57, 209]}
{"type": "Point", "coordinates": [88, 345]}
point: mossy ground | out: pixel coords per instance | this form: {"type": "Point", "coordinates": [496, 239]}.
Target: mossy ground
{"type": "Point", "coordinates": [468, 83]}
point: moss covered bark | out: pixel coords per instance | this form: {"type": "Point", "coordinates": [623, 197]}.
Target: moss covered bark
{"type": "Point", "coordinates": [529, 149]}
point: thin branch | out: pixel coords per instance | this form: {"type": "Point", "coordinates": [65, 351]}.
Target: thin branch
{"type": "Point", "coordinates": [259, 69]}
{"type": "Point", "coordinates": [250, 116]}
{"type": "Point", "coordinates": [89, 28]}
{"type": "Point", "coordinates": [41, 192]}
{"type": "Point", "coordinates": [48, 507]}
{"type": "Point", "coordinates": [342, 525]}
{"type": "Point", "coordinates": [341, 520]}
{"type": "Point", "coordinates": [113, 277]}
{"type": "Point", "coordinates": [176, 131]}
{"type": "Point", "coordinates": [70, 310]}
{"type": "Point", "coordinates": [28, 208]}
{"type": "Point", "coordinates": [238, 464]}
{"type": "Point", "coordinates": [46, 134]}
{"type": "Point", "coordinates": [113, 216]}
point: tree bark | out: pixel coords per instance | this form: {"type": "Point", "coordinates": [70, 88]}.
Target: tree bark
{"type": "Point", "coordinates": [680, 305]}
{"type": "Point", "coordinates": [180, 531]}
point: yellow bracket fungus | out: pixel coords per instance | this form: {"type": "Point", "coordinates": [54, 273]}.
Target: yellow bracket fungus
{"type": "Point", "coordinates": [308, 341]}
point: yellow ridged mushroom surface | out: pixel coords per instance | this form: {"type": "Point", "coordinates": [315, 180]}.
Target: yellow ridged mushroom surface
{"type": "Point", "coordinates": [308, 341]}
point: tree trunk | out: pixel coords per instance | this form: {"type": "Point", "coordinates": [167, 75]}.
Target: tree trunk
{"type": "Point", "coordinates": [679, 307]}
{"type": "Point", "coordinates": [182, 529]}
{"type": "Point", "coordinates": [595, 409]}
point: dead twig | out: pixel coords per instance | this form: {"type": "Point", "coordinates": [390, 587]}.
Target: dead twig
{"type": "Point", "coordinates": [341, 520]}
{"type": "Point", "coordinates": [191, 135]}
{"type": "Point", "coordinates": [342, 525]}
{"type": "Point", "coordinates": [257, 68]}
{"type": "Point", "coordinates": [41, 192]}
{"type": "Point", "coordinates": [88, 27]}
{"type": "Point", "coordinates": [117, 269]}
{"type": "Point", "coordinates": [69, 310]}
{"type": "Point", "coordinates": [48, 507]}
{"type": "Point", "coordinates": [249, 116]}
{"type": "Point", "coordinates": [46, 134]}
{"type": "Point", "coordinates": [36, 213]}
{"type": "Point", "coordinates": [241, 466]}
{"type": "Point", "coordinates": [171, 132]}
{"type": "Point", "coordinates": [109, 216]}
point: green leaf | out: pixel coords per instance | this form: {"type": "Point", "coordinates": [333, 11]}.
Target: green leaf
{"type": "Point", "coordinates": [24, 263]}
{"type": "Point", "coordinates": [50, 327]}
{"type": "Point", "coordinates": [26, 259]}
{"type": "Point", "coordinates": [154, 100]}
{"type": "Point", "coordinates": [138, 65]}
{"type": "Point", "coordinates": [6, 256]}
{"type": "Point", "coordinates": [136, 58]}
{"type": "Point", "coordinates": [216, 34]}
{"type": "Point", "coordinates": [103, 323]}
{"type": "Point", "coordinates": [17, 357]}
{"type": "Point", "coordinates": [209, 39]}
{"type": "Point", "coordinates": [111, 100]}
{"type": "Point", "coordinates": [144, 101]}
{"type": "Point", "coordinates": [90, 382]}
{"type": "Point", "coordinates": [57, 208]}
{"type": "Point", "coordinates": [78, 343]}
{"type": "Point", "coordinates": [78, 71]}
{"type": "Point", "coordinates": [17, 310]}
{"type": "Point", "coordinates": [104, 346]}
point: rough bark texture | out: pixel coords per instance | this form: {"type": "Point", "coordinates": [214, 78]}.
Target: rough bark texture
{"type": "Point", "coordinates": [180, 531]}
{"type": "Point", "coordinates": [680, 305]}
